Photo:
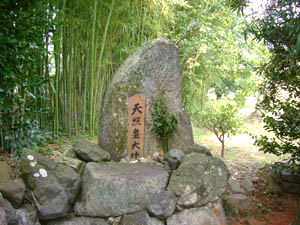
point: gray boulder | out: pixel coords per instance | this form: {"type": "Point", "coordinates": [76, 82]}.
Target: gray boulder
{"type": "Point", "coordinates": [90, 152]}
{"type": "Point", "coordinates": [248, 184]}
{"type": "Point", "coordinates": [27, 215]}
{"type": "Point", "coordinates": [6, 172]}
{"type": "Point", "coordinates": [12, 189]}
{"type": "Point", "coordinates": [53, 187]}
{"type": "Point", "coordinates": [138, 218]}
{"type": "Point", "coordinates": [155, 221]}
{"type": "Point", "coordinates": [114, 189]}
{"type": "Point", "coordinates": [238, 201]}
{"type": "Point", "coordinates": [153, 66]}
{"type": "Point", "coordinates": [174, 158]}
{"type": "Point", "coordinates": [74, 163]}
{"type": "Point", "coordinates": [235, 187]}
{"type": "Point", "coordinates": [195, 216]}
{"type": "Point", "coordinates": [199, 149]}
{"type": "Point", "coordinates": [11, 215]}
{"type": "Point", "coordinates": [163, 205]}
{"type": "Point", "coordinates": [198, 180]}
{"type": "Point", "coordinates": [3, 220]}
{"type": "Point", "coordinates": [78, 221]}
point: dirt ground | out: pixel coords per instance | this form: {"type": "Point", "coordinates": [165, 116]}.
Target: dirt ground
{"type": "Point", "coordinates": [269, 209]}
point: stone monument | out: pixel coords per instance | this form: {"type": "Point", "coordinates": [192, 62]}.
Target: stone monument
{"type": "Point", "coordinates": [153, 67]}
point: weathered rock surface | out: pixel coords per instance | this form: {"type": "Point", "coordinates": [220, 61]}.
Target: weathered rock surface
{"type": "Point", "coordinates": [11, 188]}
{"type": "Point", "coordinates": [195, 216]}
{"type": "Point", "coordinates": [11, 215]}
{"type": "Point", "coordinates": [272, 183]}
{"type": "Point", "coordinates": [235, 187]}
{"type": "Point", "coordinates": [74, 163]}
{"type": "Point", "coordinates": [155, 221]}
{"type": "Point", "coordinates": [162, 205]}
{"type": "Point", "coordinates": [198, 180]}
{"type": "Point", "coordinates": [138, 218]}
{"type": "Point", "coordinates": [248, 184]}
{"type": "Point", "coordinates": [90, 152]}
{"type": "Point", "coordinates": [155, 65]}
{"type": "Point", "coordinates": [3, 220]}
{"type": "Point", "coordinates": [220, 213]}
{"type": "Point", "coordinates": [78, 221]}
{"type": "Point", "coordinates": [27, 215]}
{"type": "Point", "coordinates": [238, 201]}
{"type": "Point", "coordinates": [199, 149]}
{"type": "Point", "coordinates": [174, 158]}
{"type": "Point", "coordinates": [6, 172]}
{"type": "Point", "coordinates": [54, 187]}
{"type": "Point", "coordinates": [114, 189]}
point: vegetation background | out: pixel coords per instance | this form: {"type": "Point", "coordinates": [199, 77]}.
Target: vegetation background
{"type": "Point", "coordinates": [57, 58]}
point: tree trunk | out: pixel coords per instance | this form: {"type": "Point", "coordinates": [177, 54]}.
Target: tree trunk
{"type": "Point", "coordinates": [223, 146]}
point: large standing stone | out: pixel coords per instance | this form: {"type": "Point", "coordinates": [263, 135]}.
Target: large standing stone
{"type": "Point", "coordinates": [155, 65]}
{"type": "Point", "coordinates": [114, 189]}
{"type": "Point", "coordinates": [195, 216]}
{"type": "Point", "coordinates": [198, 180]}
{"type": "Point", "coordinates": [54, 187]}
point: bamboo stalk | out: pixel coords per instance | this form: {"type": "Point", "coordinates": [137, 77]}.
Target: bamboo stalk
{"type": "Point", "coordinates": [92, 69]}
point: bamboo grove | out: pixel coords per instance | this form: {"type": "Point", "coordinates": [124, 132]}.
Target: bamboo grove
{"type": "Point", "coordinates": [59, 56]}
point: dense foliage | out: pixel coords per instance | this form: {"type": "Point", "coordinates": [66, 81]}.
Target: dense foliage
{"type": "Point", "coordinates": [279, 28]}
{"type": "Point", "coordinates": [24, 73]}
{"type": "Point", "coordinates": [59, 56]}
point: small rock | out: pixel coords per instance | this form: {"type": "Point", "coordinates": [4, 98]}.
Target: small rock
{"type": "Point", "coordinates": [139, 218]}
{"type": "Point", "coordinates": [174, 158]}
{"type": "Point", "coordinates": [163, 205]}
{"type": "Point", "coordinates": [155, 221]}
{"type": "Point", "coordinates": [199, 149]}
{"type": "Point", "coordinates": [27, 215]}
{"type": "Point", "coordinates": [234, 186]}
{"type": "Point", "coordinates": [114, 220]}
{"type": "Point", "coordinates": [238, 201]}
{"type": "Point", "coordinates": [195, 216]}
{"type": "Point", "coordinates": [248, 184]}
{"type": "Point", "coordinates": [13, 190]}
{"type": "Point", "coordinates": [255, 179]}
{"type": "Point", "coordinates": [78, 221]}
{"type": "Point", "coordinates": [90, 152]}
{"type": "Point", "coordinates": [70, 153]}
{"type": "Point", "coordinates": [11, 215]}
